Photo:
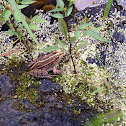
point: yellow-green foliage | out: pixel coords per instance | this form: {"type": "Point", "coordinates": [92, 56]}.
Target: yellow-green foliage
{"type": "Point", "coordinates": [114, 116]}
{"type": "Point", "coordinates": [24, 91]}
{"type": "Point", "coordinates": [88, 79]}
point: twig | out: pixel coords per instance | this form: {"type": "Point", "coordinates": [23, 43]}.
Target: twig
{"type": "Point", "coordinates": [16, 50]}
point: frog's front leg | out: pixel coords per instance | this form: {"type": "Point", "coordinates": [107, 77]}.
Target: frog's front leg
{"type": "Point", "coordinates": [55, 71]}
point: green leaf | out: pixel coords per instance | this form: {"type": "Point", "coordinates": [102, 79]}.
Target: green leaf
{"type": "Point", "coordinates": [83, 26]}
{"type": "Point", "coordinates": [34, 27]}
{"type": "Point", "coordinates": [83, 42]}
{"type": "Point", "coordinates": [50, 48]}
{"type": "Point", "coordinates": [95, 35]}
{"type": "Point", "coordinates": [1, 5]}
{"type": "Point", "coordinates": [11, 32]}
{"type": "Point", "coordinates": [56, 9]}
{"type": "Point", "coordinates": [77, 34]}
{"type": "Point", "coordinates": [17, 1]}
{"type": "Point", "coordinates": [40, 21]}
{"type": "Point", "coordinates": [1, 13]}
{"type": "Point", "coordinates": [7, 15]}
{"type": "Point", "coordinates": [68, 12]}
{"type": "Point", "coordinates": [81, 45]}
{"type": "Point", "coordinates": [110, 117]}
{"type": "Point", "coordinates": [60, 3]}
{"type": "Point", "coordinates": [22, 18]}
{"type": "Point", "coordinates": [57, 15]}
{"type": "Point", "coordinates": [22, 6]}
{"type": "Point", "coordinates": [17, 20]}
{"type": "Point", "coordinates": [16, 16]}
{"type": "Point", "coordinates": [34, 18]}
{"type": "Point", "coordinates": [71, 2]}
{"type": "Point", "coordinates": [107, 9]}
{"type": "Point", "coordinates": [11, 25]}
{"type": "Point", "coordinates": [63, 26]}
{"type": "Point", "coordinates": [73, 39]}
{"type": "Point", "coordinates": [60, 43]}
{"type": "Point", "coordinates": [26, 2]}
{"type": "Point", "coordinates": [97, 29]}
{"type": "Point", "coordinates": [66, 51]}
{"type": "Point", "coordinates": [99, 90]}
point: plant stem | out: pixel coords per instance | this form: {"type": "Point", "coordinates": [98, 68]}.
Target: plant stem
{"type": "Point", "coordinates": [75, 72]}
{"type": "Point", "coordinates": [70, 47]}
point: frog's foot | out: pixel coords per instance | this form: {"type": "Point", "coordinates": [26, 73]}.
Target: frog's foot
{"type": "Point", "coordinates": [55, 71]}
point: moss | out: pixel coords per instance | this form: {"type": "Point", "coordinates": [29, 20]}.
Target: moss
{"type": "Point", "coordinates": [76, 112]}
{"type": "Point", "coordinates": [17, 106]}
{"type": "Point", "coordinates": [24, 91]}
{"type": "Point", "coordinates": [21, 107]}
{"type": "Point", "coordinates": [14, 67]}
{"type": "Point", "coordinates": [89, 78]}
{"type": "Point", "coordinates": [2, 98]}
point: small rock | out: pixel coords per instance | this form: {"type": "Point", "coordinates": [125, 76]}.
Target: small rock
{"type": "Point", "coordinates": [59, 106]}
{"type": "Point", "coordinates": [7, 85]}
{"type": "Point", "coordinates": [51, 98]}
{"type": "Point", "coordinates": [47, 86]}
{"type": "Point", "coordinates": [14, 123]}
